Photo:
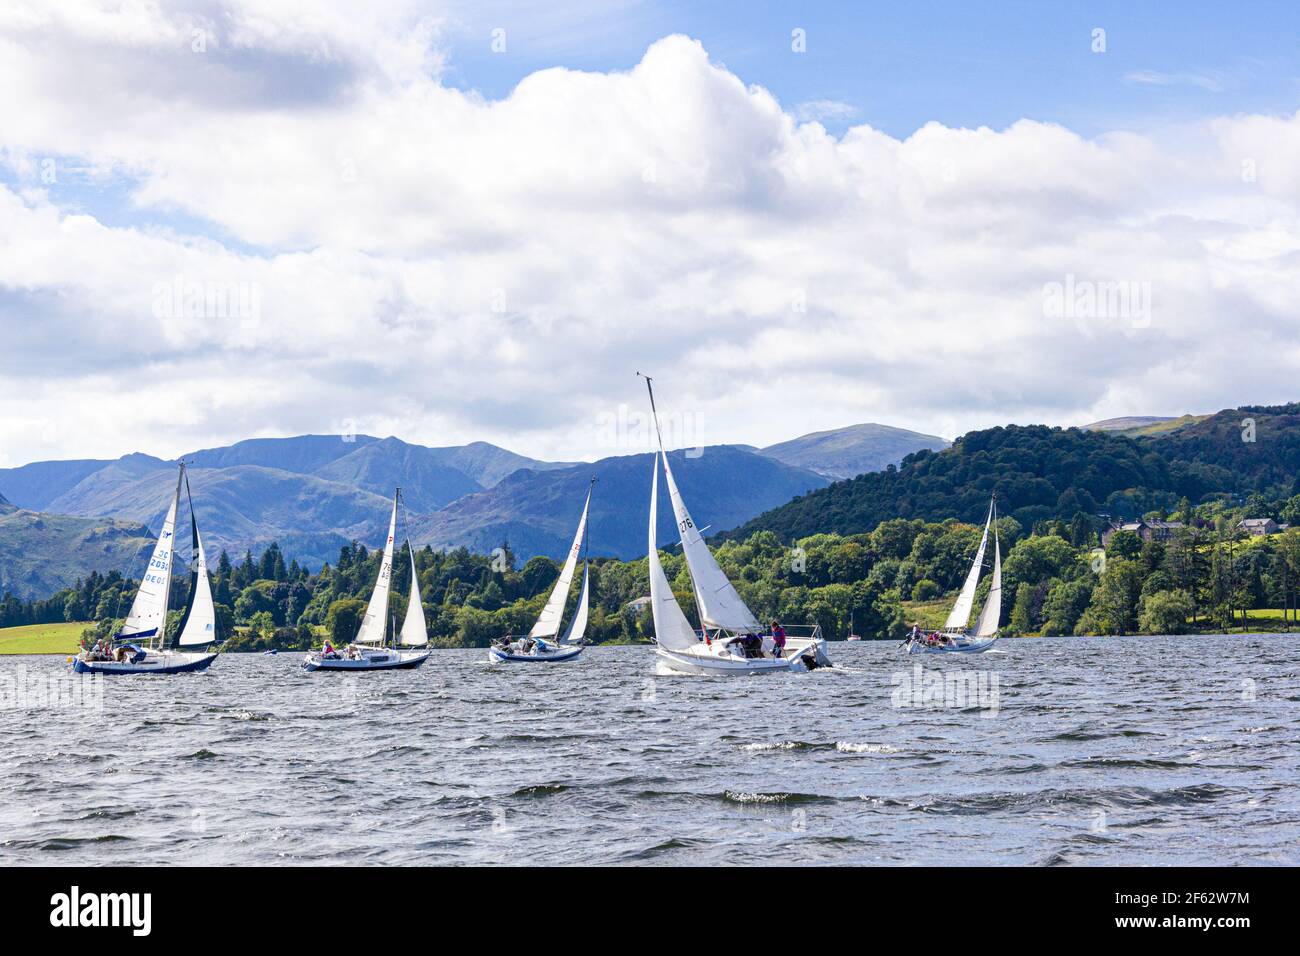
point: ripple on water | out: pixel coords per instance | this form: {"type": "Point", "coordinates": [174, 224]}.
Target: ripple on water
{"type": "Point", "coordinates": [447, 764]}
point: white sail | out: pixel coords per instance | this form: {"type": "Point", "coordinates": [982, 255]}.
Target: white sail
{"type": "Point", "coordinates": [987, 624]}
{"type": "Point", "coordinates": [959, 617]}
{"type": "Point", "coordinates": [720, 605]}
{"type": "Point", "coordinates": [548, 622]}
{"type": "Point", "coordinates": [148, 614]}
{"type": "Point", "coordinates": [414, 633]}
{"type": "Point", "coordinates": [201, 620]}
{"type": "Point", "coordinates": [373, 624]}
{"type": "Point", "coordinates": [578, 626]}
{"type": "Point", "coordinates": [672, 630]}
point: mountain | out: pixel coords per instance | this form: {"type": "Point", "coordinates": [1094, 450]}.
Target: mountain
{"type": "Point", "coordinates": [1040, 472]}
{"type": "Point", "coordinates": [40, 553]}
{"type": "Point", "coordinates": [37, 484]}
{"type": "Point", "coordinates": [846, 452]}
{"type": "Point", "coordinates": [314, 493]}
{"type": "Point", "coordinates": [304, 454]}
{"type": "Point", "coordinates": [487, 464]}
{"type": "Point", "coordinates": [378, 467]}
{"type": "Point", "coordinates": [536, 512]}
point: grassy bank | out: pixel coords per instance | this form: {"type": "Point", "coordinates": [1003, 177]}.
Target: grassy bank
{"type": "Point", "coordinates": [42, 638]}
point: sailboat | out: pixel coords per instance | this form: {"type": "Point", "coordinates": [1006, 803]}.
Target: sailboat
{"type": "Point", "coordinates": [955, 638]}
{"type": "Point", "coordinates": [368, 651]}
{"type": "Point", "coordinates": [142, 645]}
{"type": "Point", "coordinates": [535, 647]}
{"type": "Point", "coordinates": [730, 639]}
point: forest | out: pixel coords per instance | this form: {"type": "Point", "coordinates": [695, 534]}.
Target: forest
{"type": "Point", "coordinates": [869, 555]}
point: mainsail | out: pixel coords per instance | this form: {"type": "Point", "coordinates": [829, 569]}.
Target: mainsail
{"type": "Point", "coordinates": [672, 630]}
{"type": "Point", "coordinates": [720, 605]}
{"type": "Point", "coordinates": [148, 614]}
{"type": "Point", "coordinates": [414, 633]}
{"type": "Point", "coordinates": [987, 625]}
{"type": "Point", "coordinates": [373, 624]}
{"type": "Point", "coordinates": [548, 622]}
{"type": "Point", "coordinates": [959, 617]}
{"type": "Point", "coordinates": [199, 625]}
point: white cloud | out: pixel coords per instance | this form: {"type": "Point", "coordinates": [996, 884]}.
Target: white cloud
{"type": "Point", "coordinates": [443, 267]}
{"type": "Point", "coordinates": [818, 110]}
{"type": "Point", "coordinates": [1212, 82]}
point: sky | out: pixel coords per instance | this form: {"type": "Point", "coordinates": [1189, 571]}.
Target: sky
{"type": "Point", "coordinates": [224, 219]}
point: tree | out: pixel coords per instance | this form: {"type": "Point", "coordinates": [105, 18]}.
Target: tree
{"type": "Point", "coordinates": [1124, 544]}
{"type": "Point", "coordinates": [1065, 603]}
{"type": "Point", "coordinates": [1165, 612]}
{"type": "Point", "coordinates": [343, 619]}
{"type": "Point", "coordinates": [1114, 605]}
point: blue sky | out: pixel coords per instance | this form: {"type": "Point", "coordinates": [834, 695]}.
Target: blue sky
{"type": "Point", "coordinates": [448, 244]}
{"type": "Point", "coordinates": [901, 65]}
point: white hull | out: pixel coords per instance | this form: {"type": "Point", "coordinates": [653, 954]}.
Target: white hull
{"type": "Point", "coordinates": [719, 660]}
{"type": "Point", "coordinates": [384, 659]}
{"type": "Point", "coordinates": [154, 662]}
{"type": "Point", "coordinates": [961, 644]}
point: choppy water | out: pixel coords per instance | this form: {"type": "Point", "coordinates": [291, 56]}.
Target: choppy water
{"type": "Point", "coordinates": [1099, 751]}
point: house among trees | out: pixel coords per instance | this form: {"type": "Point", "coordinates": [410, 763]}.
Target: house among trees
{"type": "Point", "coordinates": [1151, 530]}
{"type": "Point", "coordinates": [1258, 527]}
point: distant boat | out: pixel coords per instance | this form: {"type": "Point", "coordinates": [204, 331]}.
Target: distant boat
{"type": "Point", "coordinates": [270, 652]}
{"type": "Point", "coordinates": [852, 636]}
{"type": "Point", "coordinates": [141, 646]}
{"type": "Point", "coordinates": [367, 651]}
{"type": "Point", "coordinates": [730, 640]}
{"type": "Point", "coordinates": [954, 638]}
{"type": "Point", "coordinates": [535, 647]}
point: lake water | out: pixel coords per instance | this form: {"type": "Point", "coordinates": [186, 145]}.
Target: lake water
{"type": "Point", "coordinates": [1056, 751]}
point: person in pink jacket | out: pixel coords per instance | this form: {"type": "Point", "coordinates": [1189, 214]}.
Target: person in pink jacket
{"type": "Point", "coordinates": [778, 639]}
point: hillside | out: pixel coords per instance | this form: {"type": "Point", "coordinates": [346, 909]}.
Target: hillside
{"type": "Point", "coordinates": [311, 493]}
{"type": "Point", "coordinates": [846, 452]}
{"type": "Point", "coordinates": [1041, 472]}
{"type": "Point", "coordinates": [40, 553]}
{"type": "Point", "coordinates": [1137, 426]}
{"type": "Point", "coordinates": [537, 511]}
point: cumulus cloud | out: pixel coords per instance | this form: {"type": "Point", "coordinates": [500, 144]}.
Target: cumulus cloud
{"type": "Point", "coordinates": [322, 235]}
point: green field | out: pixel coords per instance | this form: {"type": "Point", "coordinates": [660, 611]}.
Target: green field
{"type": "Point", "coordinates": [931, 615]}
{"type": "Point", "coordinates": [42, 638]}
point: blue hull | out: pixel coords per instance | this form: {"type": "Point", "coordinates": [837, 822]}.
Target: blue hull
{"type": "Point", "coordinates": [558, 658]}
{"type": "Point", "coordinates": [109, 667]}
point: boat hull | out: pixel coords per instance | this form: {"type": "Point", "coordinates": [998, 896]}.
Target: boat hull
{"type": "Point", "coordinates": [800, 655]}
{"type": "Point", "coordinates": [155, 662]}
{"type": "Point", "coordinates": [973, 646]}
{"type": "Point", "coordinates": [370, 661]}
{"type": "Point", "coordinates": [558, 656]}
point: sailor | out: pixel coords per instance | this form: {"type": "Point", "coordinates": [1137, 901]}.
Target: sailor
{"type": "Point", "coordinates": [778, 639]}
{"type": "Point", "coordinates": [328, 651]}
